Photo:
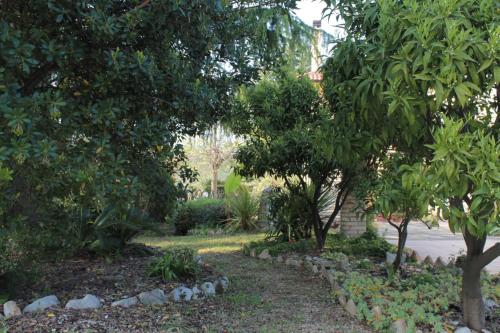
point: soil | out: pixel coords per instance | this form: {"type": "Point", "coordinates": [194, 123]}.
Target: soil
{"type": "Point", "coordinates": [263, 297]}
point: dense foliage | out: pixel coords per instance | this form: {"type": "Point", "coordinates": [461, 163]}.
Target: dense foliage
{"type": "Point", "coordinates": [290, 135]}
{"type": "Point", "coordinates": [401, 70]}
{"type": "Point", "coordinates": [198, 213]}
{"type": "Point", "coordinates": [94, 97]}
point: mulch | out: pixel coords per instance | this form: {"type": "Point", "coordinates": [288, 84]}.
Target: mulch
{"type": "Point", "coordinates": [110, 280]}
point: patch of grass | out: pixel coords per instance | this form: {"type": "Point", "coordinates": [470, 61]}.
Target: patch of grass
{"type": "Point", "coordinates": [242, 298]}
{"type": "Point", "coordinates": [204, 244]}
{"type": "Point", "coordinates": [277, 247]}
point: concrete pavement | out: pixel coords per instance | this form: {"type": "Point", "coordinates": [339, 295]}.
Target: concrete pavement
{"type": "Point", "coordinates": [438, 241]}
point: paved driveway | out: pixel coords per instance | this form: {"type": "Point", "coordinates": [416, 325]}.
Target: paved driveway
{"type": "Point", "coordinates": [439, 241]}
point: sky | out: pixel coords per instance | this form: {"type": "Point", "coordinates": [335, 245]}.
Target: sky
{"type": "Point", "coordinates": [309, 10]}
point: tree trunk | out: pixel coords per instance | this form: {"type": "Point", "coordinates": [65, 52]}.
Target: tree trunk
{"type": "Point", "coordinates": [402, 235]}
{"type": "Point", "coordinates": [213, 185]}
{"type": "Point", "coordinates": [472, 299]}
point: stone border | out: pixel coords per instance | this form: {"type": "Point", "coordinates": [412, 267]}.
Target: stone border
{"type": "Point", "coordinates": [334, 270]}
{"type": "Point", "coordinates": [208, 288]}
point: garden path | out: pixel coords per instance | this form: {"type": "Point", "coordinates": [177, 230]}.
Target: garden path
{"type": "Point", "coordinates": [263, 297]}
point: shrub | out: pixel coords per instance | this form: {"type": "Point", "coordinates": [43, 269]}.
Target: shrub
{"type": "Point", "coordinates": [369, 244]}
{"type": "Point", "coordinates": [244, 209]}
{"type": "Point", "coordinates": [200, 212]}
{"type": "Point", "coordinates": [175, 264]}
{"type": "Point", "coordinates": [289, 216]}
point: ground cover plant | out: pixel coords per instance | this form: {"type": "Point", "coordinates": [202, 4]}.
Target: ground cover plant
{"type": "Point", "coordinates": [176, 264]}
{"type": "Point", "coordinates": [426, 297]}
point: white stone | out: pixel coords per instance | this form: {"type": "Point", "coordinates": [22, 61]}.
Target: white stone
{"type": "Point", "coordinates": [197, 293]}
{"type": "Point", "coordinates": [463, 330]}
{"type": "Point", "coordinates": [126, 303]}
{"type": "Point", "coordinates": [221, 285]}
{"type": "Point", "coordinates": [153, 297]}
{"type": "Point", "coordinates": [199, 260]}
{"type": "Point", "coordinates": [42, 304]}
{"type": "Point", "coordinates": [265, 255]}
{"type": "Point", "coordinates": [252, 253]}
{"type": "Point", "coordinates": [399, 326]}
{"type": "Point", "coordinates": [351, 307]}
{"type": "Point", "coordinates": [279, 258]}
{"type": "Point", "coordinates": [87, 302]}
{"type": "Point", "coordinates": [315, 269]}
{"type": "Point", "coordinates": [208, 288]}
{"type": "Point", "coordinates": [181, 294]}
{"type": "Point", "coordinates": [490, 304]}
{"type": "Point", "coordinates": [10, 309]}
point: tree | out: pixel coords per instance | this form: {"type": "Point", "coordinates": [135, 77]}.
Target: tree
{"type": "Point", "coordinates": [95, 94]}
{"type": "Point", "coordinates": [465, 174]}
{"type": "Point", "coordinates": [400, 195]}
{"type": "Point", "coordinates": [404, 66]}
{"type": "Point", "coordinates": [288, 132]}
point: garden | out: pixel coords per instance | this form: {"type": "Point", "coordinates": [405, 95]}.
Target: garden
{"type": "Point", "coordinates": [218, 166]}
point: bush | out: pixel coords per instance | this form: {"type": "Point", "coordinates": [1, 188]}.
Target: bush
{"type": "Point", "coordinates": [277, 247]}
{"type": "Point", "coordinates": [368, 245]}
{"type": "Point", "coordinates": [244, 209]}
{"type": "Point", "coordinates": [200, 212]}
{"type": "Point", "coordinates": [176, 264]}
{"type": "Point", "coordinates": [289, 216]}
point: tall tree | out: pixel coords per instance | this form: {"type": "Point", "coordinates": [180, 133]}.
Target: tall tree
{"type": "Point", "coordinates": [402, 68]}
{"type": "Point", "coordinates": [95, 94]}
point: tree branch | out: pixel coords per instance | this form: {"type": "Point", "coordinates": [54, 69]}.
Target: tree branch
{"type": "Point", "coordinates": [489, 255]}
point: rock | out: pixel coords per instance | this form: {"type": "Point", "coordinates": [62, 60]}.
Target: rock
{"type": "Point", "coordinates": [463, 330]}
{"type": "Point", "coordinates": [439, 263]}
{"type": "Point", "coordinates": [399, 326]}
{"type": "Point", "coordinates": [414, 256]}
{"type": "Point", "coordinates": [181, 294]}
{"type": "Point", "coordinates": [264, 255]}
{"type": "Point", "coordinates": [10, 309]}
{"type": "Point", "coordinates": [293, 262]}
{"type": "Point", "coordinates": [351, 308]}
{"type": "Point", "coordinates": [428, 261]}
{"type": "Point", "coordinates": [126, 303]}
{"type": "Point", "coordinates": [221, 285]}
{"type": "Point", "coordinates": [343, 265]}
{"type": "Point", "coordinates": [197, 293]}
{"type": "Point", "coordinates": [315, 269]}
{"type": "Point", "coordinates": [279, 258]}
{"type": "Point", "coordinates": [252, 253]}
{"type": "Point", "coordinates": [153, 297]}
{"type": "Point", "coordinates": [308, 258]}
{"type": "Point", "coordinates": [330, 277]}
{"type": "Point", "coordinates": [377, 312]}
{"type": "Point", "coordinates": [342, 300]}
{"type": "Point", "coordinates": [87, 302]}
{"type": "Point", "coordinates": [490, 304]}
{"type": "Point", "coordinates": [485, 331]}
{"type": "Point", "coordinates": [42, 304]}
{"type": "Point", "coordinates": [198, 259]}
{"type": "Point", "coordinates": [208, 288]}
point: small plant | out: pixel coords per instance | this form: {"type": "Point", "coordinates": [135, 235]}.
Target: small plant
{"type": "Point", "coordinates": [276, 247]}
{"type": "Point", "coordinates": [244, 209]}
{"type": "Point", "coordinates": [176, 264]}
{"type": "Point", "coordinates": [368, 245]}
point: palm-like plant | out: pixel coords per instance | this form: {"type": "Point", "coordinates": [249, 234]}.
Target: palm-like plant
{"type": "Point", "coordinates": [244, 209]}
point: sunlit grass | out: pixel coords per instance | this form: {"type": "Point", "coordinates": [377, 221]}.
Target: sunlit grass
{"type": "Point", "coordinates": [204, 244]}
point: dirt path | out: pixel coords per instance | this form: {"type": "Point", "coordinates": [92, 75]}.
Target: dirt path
{"type": "Point", "coordinates": [266, 297]}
